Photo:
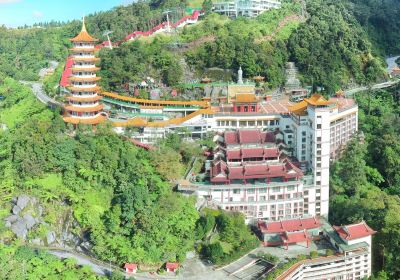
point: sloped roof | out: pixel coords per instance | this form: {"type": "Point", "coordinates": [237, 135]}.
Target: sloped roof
{"type": "Point", "coordinates": [84, 36]}
{"type": "Point", "coordinates": [289, 225]}
{"type": "Point", "coordinates": [294, 237]}
{"type": "Point", "coordinates": [315, 100]}
{"type": "Point", "coordinates": [354, 231]}
{"type": "Point", "coordinates": [246, 98]}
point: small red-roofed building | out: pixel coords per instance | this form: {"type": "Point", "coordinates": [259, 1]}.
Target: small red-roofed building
{"type": "Point", "coordinates": [171, 266]}
{"type": "Point", "coordinates": [350, 247]}
{"type": "Point", "coordinates": [245, 103]}
{"type": "Point", "coordinates": [130, 268]}
{"type": "Point", "coordinates": [355, 234]}
{"type": "Point", "coordinates": [287, 232]}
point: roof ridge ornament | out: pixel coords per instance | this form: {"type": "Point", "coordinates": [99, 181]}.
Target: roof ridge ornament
{"type": "Point", "coordinates": [83, 25]}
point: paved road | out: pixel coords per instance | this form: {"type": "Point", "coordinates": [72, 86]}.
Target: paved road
{"type": "Point", "coordinates": [98, 269]}
{"type": "Point", "coordinates": [193, 269]}
{"type": "Point", "coordinates": [38, 91]}
{"type": "Point", "coordinates": [37, 87]}
{"type": "Point", "coordinates": [351, 92]}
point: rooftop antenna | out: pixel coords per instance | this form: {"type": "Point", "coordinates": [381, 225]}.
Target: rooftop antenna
{"type": "Point", "coordinates": [168, 26]}
{"type": "Point", "coordinates": [107, 33]}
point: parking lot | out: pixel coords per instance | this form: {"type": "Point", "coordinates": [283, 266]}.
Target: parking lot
{"type": "Point", "coordinates": [249, 267]}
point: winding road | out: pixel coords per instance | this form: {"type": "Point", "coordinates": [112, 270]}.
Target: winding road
{"type": "Point", "coordinates": [37, 87]}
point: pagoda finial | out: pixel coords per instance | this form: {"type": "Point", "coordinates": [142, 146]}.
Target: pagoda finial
{"type": "Point", "coordinates": [83, 25]}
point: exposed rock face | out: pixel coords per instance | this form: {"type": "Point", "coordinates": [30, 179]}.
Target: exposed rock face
{"type": "Point", "coordinates": [27, 216]}
{"type": "Point", "coordinates": [23, 200]}
{"type": "Point", "coordinates": [51, 237]}
{"type": "Point", "coordinates": [22, 219]}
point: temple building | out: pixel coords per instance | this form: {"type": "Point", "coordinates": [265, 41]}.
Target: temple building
{"type": "Point", "coordinates": [251, 175]}
{"type": "Point", "coordinates": [83, 102]}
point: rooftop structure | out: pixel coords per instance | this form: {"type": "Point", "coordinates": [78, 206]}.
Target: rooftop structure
{"type": "Point", "coordinates": [80, 77]}
{"type": "Point", "coordinates": [251, 155]}
{"type": "Point", "coordinates": [246, 8]}
{"type": "Point", "coordinates": [351, 259]}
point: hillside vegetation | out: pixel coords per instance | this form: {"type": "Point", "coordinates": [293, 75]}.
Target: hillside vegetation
{"type": "Point", "coordinates": [365, 182]}
{"type": "Point", "coordinates": [116, 196]}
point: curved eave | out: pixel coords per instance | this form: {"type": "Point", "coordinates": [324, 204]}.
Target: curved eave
{"type": "Point", "coordinates": [86, 59]}
{"type": "Point", "coordinates": [90, 69]}
{"type": "Point", "coordinates": [84, 98]}
{"type": "Point", "coordinates": [84, 37]}
{"type": "Point", "coordinates": [78, 50]}
{"type": "Point", "coordinates": [84, 109]}
{"type": "Point", "coordinates": [76, 79]}
{"type": "Point", "coordinates": [93, 121]}
{"type": "Point", "coordinates": [77, 89]}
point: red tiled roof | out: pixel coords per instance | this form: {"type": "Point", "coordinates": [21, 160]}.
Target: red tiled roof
{"type": "Point", "coordinates": [289, 225]}
{"type": "Point", "coordinates": [130, 266]}
{"type": "Point", "coordinates": [249, 136]}
{"type": "Point", "coordinates": [354, 231]}
{"type": "Point", "coordinates": [233, 154]}
{"type": "Point", "coordinates": [268, 137]}
{"type": "Point", "coordinates": [170, 265]}
{"type": "Point", "coordinates": [236, 173]}
{"type": "Point", "coordinates": [271, 152]}
{"type": "Point", "coordinates": [252, 170]}
{"type": "Point", "coordinates": [231, 138]}
{"type": "Point", "coordinates": [294, 237]}
{"type": "Point", "coordinates": [67, 72]}
{"type": "Point", "coordinates": [218, 168]}
{"type": "Point", "coordinates": [252, 152]}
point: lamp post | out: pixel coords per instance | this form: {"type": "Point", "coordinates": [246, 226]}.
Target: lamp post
{"type": "Point", "coordinates": [168, 26]}
{"type": "Point", "coordinates": [107, 33]}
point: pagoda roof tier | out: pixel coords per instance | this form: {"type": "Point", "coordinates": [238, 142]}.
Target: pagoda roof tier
{"type": "Point", "coordinates": [80, 98]}
{"type": "Point", "coordinates": [85, 89]}
{"type": "Point", "coordinates": [77, 50]}
{"type": "Point", "coordinates": [84, 36]}
{"type": "Point", "coordinates": [84, 79]}
{"type": "Point", "coordinates": [86, 69]}
{"type": "Point", "coordinates": [84, 109]}
{"type": "Point", "coordinates": [95, 120]}
{"type": "Point", "coordinates": [85, 59]}
{"type": "Point", "coordinates": [289, 225]}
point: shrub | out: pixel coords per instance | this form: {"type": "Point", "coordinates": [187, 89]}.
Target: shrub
{"type": "Point", "coordinates": [314, 254]}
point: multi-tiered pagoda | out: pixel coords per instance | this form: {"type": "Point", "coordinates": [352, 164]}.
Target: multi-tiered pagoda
{"type": "Point", "coordinates": [84, 106]}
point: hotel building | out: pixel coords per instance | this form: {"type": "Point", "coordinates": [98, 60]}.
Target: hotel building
{"type": "Point", "coordinates": [246, 8]}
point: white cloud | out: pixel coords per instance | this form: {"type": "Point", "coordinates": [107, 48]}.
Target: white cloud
{"type": "Point", "coordinates": [36, 14]}
{"type": "Point", "coordinates": [8, 1]}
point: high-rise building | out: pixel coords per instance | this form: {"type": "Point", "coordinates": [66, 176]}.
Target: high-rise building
{"type": "Point", "coordinates": [83, 102]}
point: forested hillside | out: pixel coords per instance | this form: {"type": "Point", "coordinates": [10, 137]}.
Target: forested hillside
{"type": "Point", "coordinates": [332, 50]}
{"type": "Point", "coordinates": [328, 55]}
{"type": "Point", "coordinates": [117, 196]}
{"type": "Point", "coordinates": [365, 182]}
{"type": "Point", "coordinates": [381, 19]}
